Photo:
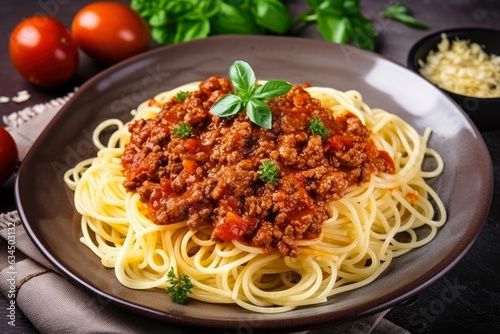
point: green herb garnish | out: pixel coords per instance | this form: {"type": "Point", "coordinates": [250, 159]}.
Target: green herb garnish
{"type": "Point", "coordinates": [183, 130]}
{"type": "Point", "coordinates": [317, 127]}
{"type": "Point", "coordinates": [340, 21]}
{"type": "Point", "coordinates": [248, 96]}
{"type": "Point", "coordinates": [269, 172]}
{"type": "Point", "coordinates": [181, 96]}
{"type": "Point", "coordinates": [401, 13]}
{"type": "Point", "coordinates": [179, 287]}
{"type": "Point", "coordinates": [175, 21]}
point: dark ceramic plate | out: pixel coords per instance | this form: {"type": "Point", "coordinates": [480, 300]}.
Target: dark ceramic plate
{"type": "Point", "coordinates": [47, 210]}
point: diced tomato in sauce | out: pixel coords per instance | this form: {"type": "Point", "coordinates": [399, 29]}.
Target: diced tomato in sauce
{"type": "Point", "coordinates": [234, 227]}
{"type": "Point", "coordinates": [301, 99]}
{"type": "Point", "coordinates": [371, 150]}
{"type": "Point", "coordinates": [340, 143]}
{"type": "Point", "coordinates": [190, 166]}
{"type": "Point", "coordinates": [166, 187]}
{"type": "Point", "coordinates": [411, 198]}
{"type": "Point", "coordinates": [155, 200]}
{"type": "Point", "coordinates": [191, 145]}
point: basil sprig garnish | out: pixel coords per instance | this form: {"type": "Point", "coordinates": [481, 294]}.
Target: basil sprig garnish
{"type": "Point", "coordinates": [401, 13]}
{"type": "Point", "coordinates": [247, 95]}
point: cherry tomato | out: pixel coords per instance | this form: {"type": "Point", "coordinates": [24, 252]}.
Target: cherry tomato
{"type": "Point", "coordinates": [110, 32]}
{"type": "Point", "coordinates": [43, 51]}
{"type": "Point", "coordinates": [8, 155]}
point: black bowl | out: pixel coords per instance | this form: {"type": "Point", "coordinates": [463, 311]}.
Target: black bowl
{"type": "Point", "coordinates": [485, 112]}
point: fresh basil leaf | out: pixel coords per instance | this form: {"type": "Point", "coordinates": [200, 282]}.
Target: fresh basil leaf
{"type": "Point", "coordinates": [333, 29]}
{"type": "Point", "coordinates": [271, 14]}
{"type": "Point", "coordinates": [148, 8]}
{"type": "Point", "coordinates": [160, 35]}
{"type": "Point", "coordinates": [315, 3]}
{"type": "Point", "coordinates": [158, 19]}
{"type": "Point", "coordinates": [237, 3]}
{"type": "Point", "coordinates": [401, 13]}
{"type": "Point", "coordinates": [362, 40]}
{"type": "Point", "coordinates": [209, 7]}
{"type": "Point", "coordinates": [178, 8]}
{"type": "Point", "coordinates": [351, 7]}
{"type": "Point", "coordinates": [242, 77]}
{"type": "Point", "coordinates": [200, 9]}
{"type": "Point", "coordinates": [228, 105]}
{"type": "Point", "coordinates": [142, 7]}
{"type": "Point", "coordinates": [412, 22]}
{"type": "Point", "coordinates": [232, 20]}
{"type": "Point", "coordinates": [363, 32]}
{"type": "Point", "coordinates": [189, 30]}
{"type": "Point", "coordinates": [270, 89]}
{"type": "Point", "coordinates": [366, 24]}
{"type": "Point", "coordinates": [395, 9]}
{"type": "Point", "coordinates": [260, 113]}
{"type": "Point", "coordinates": [330, 7]}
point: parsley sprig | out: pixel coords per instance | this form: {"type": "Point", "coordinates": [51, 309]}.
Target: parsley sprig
{"type": "Point", "coordinates": [401, 13]}
{"type": "Point", "coordinates": [269, 172]}
{"type": "Point", "coordinates": [181, 96]}
{"type": "Point", "coordinates": [179, 288]}
{"type": "Point", "coordinates": [247, 95]}
{"type": "Point", "coordinates": [183, 130]}
{"type": "Point", "coordinates": [317, 127]}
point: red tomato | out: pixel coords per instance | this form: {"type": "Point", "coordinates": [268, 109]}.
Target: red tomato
{"type": "Point", "coordinates": [43, 51]}
{"type": "Point", "coordinates": [166, 187]}
{"type": "Point", "coordinates": [110, 32]}
{"type": "Point", "coordinates": [8, 155]}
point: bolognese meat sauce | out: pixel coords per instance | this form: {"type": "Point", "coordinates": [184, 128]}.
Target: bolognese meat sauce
{"type": "Point", "coordinates": [212, 177]}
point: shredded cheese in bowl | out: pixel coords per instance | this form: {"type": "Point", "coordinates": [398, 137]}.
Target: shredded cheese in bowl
{"type": "Point", "coordinates": [463, 68]}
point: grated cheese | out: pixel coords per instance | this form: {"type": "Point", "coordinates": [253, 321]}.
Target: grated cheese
{"type": "Point", "coordinates": [464, 68]}
{"type": "Point", "coordinates": [21, 96]}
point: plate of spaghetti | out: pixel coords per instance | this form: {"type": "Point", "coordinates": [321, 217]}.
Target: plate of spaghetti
{"type": "Point", "coordinates": [253, 187]}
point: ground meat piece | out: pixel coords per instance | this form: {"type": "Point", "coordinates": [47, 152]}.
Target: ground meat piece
{"type": "Point", "coordinates": [356, 128]}
{"type": "Point", "coordinates": [332, 185]}
{"type": "Point", "coordinates": [195, 112]}
{"type": "Point", "coordinates": [237, 182]}
{"type": "Point", "coordinates": [264, 236]}
{"type": "Point", "coordinates": [158, 136]}
{"type": "Point", "coordinates": [215, 83]}
{"type": "Point", "coordinates": [287, 247]}
{"type": "Point", "coordinates": [352, 157]}
{"type": "Point", "coordinates": [288, 155]}
{"type": "Point", "coordinates": [177, 209]}
{"type": "Point", "coordinates": [230, 147]}
{"type": "Point", "coordinates": [208, 138]}
{"type": "Point", "coordinates": [315, 173]}
{"type": "Point", "coordinates": [313, 153]}
{"type": "Point", "coordinates": [258, 206]}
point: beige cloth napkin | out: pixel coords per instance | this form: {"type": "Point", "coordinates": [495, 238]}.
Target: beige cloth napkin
{"type": "Point", "coordinates": [55, 305]}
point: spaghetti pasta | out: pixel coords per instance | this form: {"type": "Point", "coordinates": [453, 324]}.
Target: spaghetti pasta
{"type": "Point", "coordinates": [373, 223]}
